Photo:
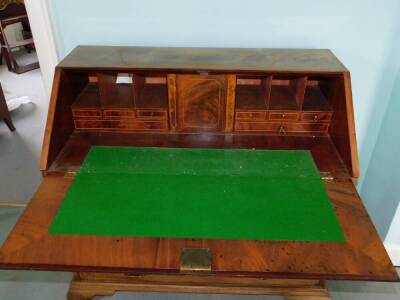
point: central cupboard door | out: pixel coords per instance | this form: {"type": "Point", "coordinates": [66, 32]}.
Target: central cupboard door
{"type": "Point", "coordinates": [200, 102]}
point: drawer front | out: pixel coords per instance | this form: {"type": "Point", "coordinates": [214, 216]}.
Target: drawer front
{"type": "Point", "coordinates": [281, 128]}
{"type": "Point", "coordinates": [118, 113]}
{"type": "Point", "coordinates": [283, 116]}
{"type": "Point", "coordinates": [121, 125]}
{"type": "Point", "coordinates": [132, 113]}
{"type": "Point", "coordinates": [316, 116]}
{"type": "Point", "coordinates": [246, 126]}
{"type": "Point", "coordinates": [86, 113]}
{"type": "Point", "coordinates": [151, 114]}
{"type": "Point", "coordinates": [303, 128]}
{"type": "Point", "coordinates": [251, 115]}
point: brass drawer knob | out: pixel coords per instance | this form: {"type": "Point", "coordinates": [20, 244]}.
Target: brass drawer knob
{"type": "Point", "coordinates": [282, 130]}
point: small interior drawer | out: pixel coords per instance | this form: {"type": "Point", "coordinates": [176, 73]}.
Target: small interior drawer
{"type": "Point", "coordinates": [120, 125]}
{"type": "Point", "coordinates": [281, 128]}
{"type": "Point", "coordinates": [148, 113]}
{"type": "Point", "coordinates": [283, 116]}
{"type": "Point", "coordinates": [303, 128]}
{"type": "Point", "coordinates": [251, 115]}
{"type": "Point", "coordinates": [118, 113]}
{"type": "Point", "coordinates": [86, 113]}
{"type": "Point", "coordinates": [316, 116]}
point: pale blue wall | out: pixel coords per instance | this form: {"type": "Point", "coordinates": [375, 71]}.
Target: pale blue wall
{"type": "Point", "coordinates": [381, 189]}
{"type": "Point", "coordinates": [360, 32]}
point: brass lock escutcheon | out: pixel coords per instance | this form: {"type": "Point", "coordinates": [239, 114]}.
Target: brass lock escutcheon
{"type": "Point", "coordinates": [196, 260]}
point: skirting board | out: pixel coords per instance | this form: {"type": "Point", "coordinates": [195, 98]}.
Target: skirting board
{"type": "Point", "coordinates": [394, 253]}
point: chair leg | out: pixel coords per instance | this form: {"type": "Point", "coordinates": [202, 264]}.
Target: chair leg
{"type": "Point", "coordinates": [8, 61]}
{"type": "Point", "coordinates": [4, 53]}
{"type": "Point", "coordinates": [13, 62]}
{"type": "Point", "coordinates": [4, 112]}
{"type": "Point", "coordinates": [9, 123]}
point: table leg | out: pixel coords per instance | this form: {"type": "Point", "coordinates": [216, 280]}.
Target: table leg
{"type": "Point", "coordinates": [319, 292]}
{"type": "Point", "coordinates": [85, 286]}
{"type": "Point", "coordinates": [318, 296]}
{"type": "Point", "coordinates": [78, 290]}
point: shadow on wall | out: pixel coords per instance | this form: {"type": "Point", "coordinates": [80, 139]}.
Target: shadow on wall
{"type": "Point", "coordinates": [387, 79]}
{"type": "Point", "coordinates": [381, 188]}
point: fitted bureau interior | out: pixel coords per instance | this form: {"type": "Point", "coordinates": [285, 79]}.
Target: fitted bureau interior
{"type": "Point", "coordinates": [112, 107]}
{"type": "Point", "coordinates": [122, 101]}
{"type": "Point", "coordinates": [283, 93]}
{"type": "Point", "coordinates": [280, 104]}
{"type": "Point", "coordinates": [284, 104]}
{"type": "Point", "coordinates": [123, 90]}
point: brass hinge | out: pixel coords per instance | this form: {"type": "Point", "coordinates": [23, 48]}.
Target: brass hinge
{"type": "Point", "coordinates": [71, 173]}
{"type": "Point", "coordinates": [327, 177]}
{"type": "Point", "coordinates": [196, 260]}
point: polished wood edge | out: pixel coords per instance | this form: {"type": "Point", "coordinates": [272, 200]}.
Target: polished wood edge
{"type": "Point", "coordinates": [50, 119]}
{"type": "Point", "coordinates": [336, 68]}
{"type": "Point", "coordinates": [196, 277]}
{"type": "Point", "coordinates": [86, 286]}
{"type": "Point", "coordinates": [99, 269]}
{"type": "Point", "coordinates": [172, 100]}
{"type": "Point", "coordinates": [351, 125]}
{"type": "Point", "coordinates": [183, 71]}
{"type": "Point", "coordinates": [230, 103]}
{"type": "Point", "coordinates": [260, 133]}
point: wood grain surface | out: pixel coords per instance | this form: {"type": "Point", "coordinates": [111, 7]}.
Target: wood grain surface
{"type": "Point", "coordinates": [245, 98]}
{"type": "Point", "coordinates": [201, 102]}
{"type": "Point", "coordinates": [200, 59]}
{"type": "Point", "coordinates": [361, 257]}
{"type": "Point", "coordinates": [88, 285]}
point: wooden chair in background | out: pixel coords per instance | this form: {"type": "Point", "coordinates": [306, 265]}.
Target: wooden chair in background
{"type": "Point", "coordinates": [13, 13]}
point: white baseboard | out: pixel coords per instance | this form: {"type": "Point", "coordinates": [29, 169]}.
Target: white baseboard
{"type": "Point", "coordinates": [394, 253]}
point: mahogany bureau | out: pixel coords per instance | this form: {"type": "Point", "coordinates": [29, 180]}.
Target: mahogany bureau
{"type": "Point", "coordinates": [287, 99]}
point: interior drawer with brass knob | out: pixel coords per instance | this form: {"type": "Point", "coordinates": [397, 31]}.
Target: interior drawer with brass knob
{"type": "Point", "coordinates": [316, 116]}
{"type": "Point", "coordinates": [251, 115]}
{"type": "Point", "coordinates": [281, 128]}
{"type": "Point", "coordinates": [151, 114]}
{"type": "Point", "coordinates": [284, 116]}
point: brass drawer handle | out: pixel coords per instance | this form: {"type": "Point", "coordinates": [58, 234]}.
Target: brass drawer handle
{"type": "Point", "coordinates": [315, 117]}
